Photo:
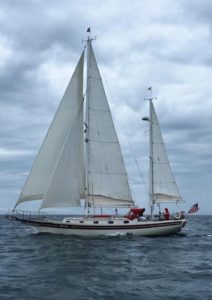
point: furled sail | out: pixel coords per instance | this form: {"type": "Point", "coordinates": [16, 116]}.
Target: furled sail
{"type": "Point", "coordinates": [57, 171]}
{"type": "Point", "coordinates": [164, 185]}
{"type": "Point", "coordinates": [107, 177]}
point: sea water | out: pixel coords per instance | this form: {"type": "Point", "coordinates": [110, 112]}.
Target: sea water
{"type": "Point", "coordinates": [44, 266]}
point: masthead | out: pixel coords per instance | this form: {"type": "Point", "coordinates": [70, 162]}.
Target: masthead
{"type": "Point", "coordinates": [149, 97]}
{"type": "Point", "coordinates": [89, 33]}
{"type": "Point", "coordinates": [89, 37]}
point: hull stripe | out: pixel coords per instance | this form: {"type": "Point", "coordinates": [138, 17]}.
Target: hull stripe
{"type": "Point", "coordinates": [99, 227]}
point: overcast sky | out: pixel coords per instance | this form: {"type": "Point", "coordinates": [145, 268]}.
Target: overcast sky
{"type": "Point", "coordinates": [140, 43]}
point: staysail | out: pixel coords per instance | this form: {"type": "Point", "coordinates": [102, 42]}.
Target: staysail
{"type": "Point", "coordinates": [164, 187]}
{"type": "Point", "coordinates": [61, 153]}
{"type": "Point", "coordinates": [107, 177]}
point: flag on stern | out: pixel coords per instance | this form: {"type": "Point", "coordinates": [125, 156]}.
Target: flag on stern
{"type": "Point", "coordinates": [193, 209]}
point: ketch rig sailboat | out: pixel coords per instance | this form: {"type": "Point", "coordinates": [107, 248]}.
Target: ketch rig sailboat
{"type": "Point", "coordinates": [80, 158]}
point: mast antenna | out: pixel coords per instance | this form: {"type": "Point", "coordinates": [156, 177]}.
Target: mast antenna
{"type": "Point", "coordinates": [149, 97]}
{"type": "Point", "coordinates": [89, 37]}
{"type": "Point", "coordinates": [89, 33]}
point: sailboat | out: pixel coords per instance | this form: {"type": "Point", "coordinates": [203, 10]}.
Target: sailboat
{"type": "Point", "coordinates": [81, 158]}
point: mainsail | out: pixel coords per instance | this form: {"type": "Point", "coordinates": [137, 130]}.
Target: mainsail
{"type": "Point", "coordinates": [107, 177]}
{"type": "Point", "coordinates": [164, 188]}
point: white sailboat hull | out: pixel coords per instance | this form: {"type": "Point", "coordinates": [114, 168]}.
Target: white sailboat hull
{"type": "Point", "coordinates": [144, 228]}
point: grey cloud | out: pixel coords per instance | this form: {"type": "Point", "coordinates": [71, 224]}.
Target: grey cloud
{"type": "Point", "coordinates": [198, 11]}
{"type": "Point", "coordinates": [139, 44]}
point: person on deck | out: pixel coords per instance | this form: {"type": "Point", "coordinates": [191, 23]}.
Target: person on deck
{"type": "Point", "coordinates": [166, 214]}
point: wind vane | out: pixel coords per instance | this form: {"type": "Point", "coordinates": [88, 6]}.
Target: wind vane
{"type": "Point", "coordinates": [150, 94]}
{"type": "Point", "coordinates": [89, 35]}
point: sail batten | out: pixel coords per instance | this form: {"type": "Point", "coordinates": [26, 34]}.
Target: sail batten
{"type": "Point", "coordinates": [103, 201]}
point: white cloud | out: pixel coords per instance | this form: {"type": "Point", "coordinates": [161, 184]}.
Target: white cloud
{"type": "Point", "coordinates": [10, 153]}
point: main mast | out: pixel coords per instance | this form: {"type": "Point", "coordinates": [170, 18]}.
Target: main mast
{"type": "Point", "coordinates": [89, 39]}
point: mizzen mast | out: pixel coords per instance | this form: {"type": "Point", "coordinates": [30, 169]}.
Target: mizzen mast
{"type": "Point", "coordinates": [149, 119]}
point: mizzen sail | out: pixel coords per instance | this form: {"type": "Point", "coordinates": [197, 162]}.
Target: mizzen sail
{"type": "Point", "coordinates": [164, 187]}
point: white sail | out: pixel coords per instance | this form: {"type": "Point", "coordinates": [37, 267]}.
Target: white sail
{"type": "Point", "coordinates": [49, 163]}
{"type": "Point", "coordinates": [164, 187]}
{"type": "Point", "coordinates": [107, 177]}
{"type": "Point", "coordinates": [64, 187]}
